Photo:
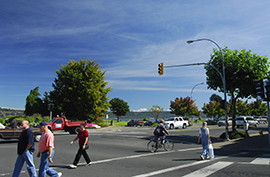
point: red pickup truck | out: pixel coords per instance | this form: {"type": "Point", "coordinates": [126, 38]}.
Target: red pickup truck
{"type": "Point", "coordinates": [61, 123]}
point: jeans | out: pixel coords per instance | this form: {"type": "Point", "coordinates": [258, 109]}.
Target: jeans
{"type": "Point", "coordinates": [26, 157]}
{"type": "Point", "coordinates": [205, 152]}
{"type": "Point", "coordinates": [78, 156]}
{"type": "Point", "coordinates": [44, 165]}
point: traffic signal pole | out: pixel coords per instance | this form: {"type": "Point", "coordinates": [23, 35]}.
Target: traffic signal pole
{"type": "Point", "coordinates": [223, 80]}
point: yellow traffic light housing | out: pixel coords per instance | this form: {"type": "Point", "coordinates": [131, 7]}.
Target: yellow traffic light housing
{"type": "Point", "coordinates": [160, 68]}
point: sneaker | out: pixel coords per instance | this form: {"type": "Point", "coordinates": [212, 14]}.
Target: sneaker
{"type": "Point", "coordinates": [208, 157]}
{"type": "Point", "coordinates": [59, 174]}
{"type": "Point", "coordinates": [73, 166]}
{"type": "Point", "coordinates": [88, 164]}
{"type": "Point", "coordinates": [202, 157]}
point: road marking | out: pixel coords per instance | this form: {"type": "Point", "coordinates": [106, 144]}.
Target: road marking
{"type": "Point", "coordinates": [158, 172]}
{"type": "Point", "coordinates": [263, 160]}
{"type": "Point", "coordinates": [185, 165]}
{"type": "Point", "coordinates": [142, 155]}
{"type": "Point", "coordinates": [209, 169]}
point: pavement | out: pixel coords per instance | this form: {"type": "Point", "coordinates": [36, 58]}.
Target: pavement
{"type": "Point", "coordinates": [255, 142]}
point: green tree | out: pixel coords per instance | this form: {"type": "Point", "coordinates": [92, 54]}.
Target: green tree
{"type": "Point", "coordinates": [184, 107]}
{"type": "Point", "coordinates": [241, 69]}
{"type": "Point", "coordinates": [258, 108]}
{"type": "Point", "coordinates": [80, 90]}
{"type": "Point", "coordinates": [212, 109]}
{"type": "Point", "coordinates": [242, 108]}
{"type": "Point", "coordinates": [119, 107]}
{"type": "Point", "coordinates": [215, 97]}
{"type": "Point", "coordinates": [156, 110]}
{"type": "Point", "coordinates": [33, 102]}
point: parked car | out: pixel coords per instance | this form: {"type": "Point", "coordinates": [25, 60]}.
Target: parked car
{"type": "Point", "coordinates": [176, 122]}
{"type": "Point", "coordinates": [135, 123]}
{"type": "Point", "coordinates": [239, 121]}
{"type": "Point", "coordinates": [223, 122]}
{"type": "Point", "coordinates": [149, 123]}
{"type": "Point", "coordinates": [261, 119]}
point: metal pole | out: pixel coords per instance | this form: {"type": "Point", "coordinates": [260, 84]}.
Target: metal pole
{"type": "Point", "coordinates": [223, 80]}
{"type": "Point", "coordinates": [191, 97]}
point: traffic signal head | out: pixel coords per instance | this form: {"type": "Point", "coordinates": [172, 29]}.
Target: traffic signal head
{"type": "Point", "coordinates": [267, 88]}
{"type": "Point", "coordinates": [259, 88]}
{"type": "Point", "coordinates": [160, 68]}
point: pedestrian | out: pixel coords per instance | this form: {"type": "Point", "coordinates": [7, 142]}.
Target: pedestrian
{"type": "Point", "coordinates": [25, 150]}
{"type": "Point", "coordinates": [46, 152]}
{"type": "Point", "coordinates": [83, 145]}
{"type": "Point", "coordinates": [246, 126]}
{"type": "Point", "coordinates": [205, 139]}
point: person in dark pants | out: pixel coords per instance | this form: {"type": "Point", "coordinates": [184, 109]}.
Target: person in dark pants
{"type": "Point", "coordinates": [83, 142]}
{"type": "Point", "coordinates": [25, 150]}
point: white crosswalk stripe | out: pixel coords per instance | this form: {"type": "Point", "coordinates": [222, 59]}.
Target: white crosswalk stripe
{"type": "Point", "coordinates": [209, 169]}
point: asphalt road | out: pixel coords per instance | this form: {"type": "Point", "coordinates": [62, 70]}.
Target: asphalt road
{"type": "Point", "coordinates": [123, 153]}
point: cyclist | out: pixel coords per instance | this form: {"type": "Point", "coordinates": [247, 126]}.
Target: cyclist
{"type": "Point", "coordinates": [159, 131]}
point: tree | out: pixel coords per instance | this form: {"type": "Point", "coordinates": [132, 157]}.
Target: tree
{"type": "Point", "coordinates": [241, 69]}
{"type": "Point", "coordinates": [184, 107]}
{"type": "Point", "coordinates": [119, 107]}
{"type": "Point", "coordinates": [33, 102]}
{"type": "Point", "coordinates": [156, 110]}
{"type": "Point", "coordinates": [258, 108]}
{"type": "Point", "coordinates": [80, 90]}
{"type": "Point", "coordinates": [212, 109]}
{"type": "Point", "coordinates": [242, 107]}
{"type": "Point", "coordinates": [215, 97]}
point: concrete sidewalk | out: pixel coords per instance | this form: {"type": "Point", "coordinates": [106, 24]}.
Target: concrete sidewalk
{"type": "Point", "coordinates": [254, 143]}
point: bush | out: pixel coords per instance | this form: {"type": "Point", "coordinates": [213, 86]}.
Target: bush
{"type": "Point", "coordinates": [100, 121]}
{"type": "Point", "coordinates": [233, 135]}
{"type": "Point", "coordinates": [2, 121]}
{"type": "Point", "coordinates": [154, 124]}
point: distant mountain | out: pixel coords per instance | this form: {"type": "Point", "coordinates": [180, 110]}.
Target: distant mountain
{"type": "Point", "coordinates": [8, 111]}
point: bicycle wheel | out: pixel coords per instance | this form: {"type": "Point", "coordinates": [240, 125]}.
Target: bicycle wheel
{"type": "Point", "coordinates": [168, 145]}
{"type": "Point", "coordinates": [151, 146]}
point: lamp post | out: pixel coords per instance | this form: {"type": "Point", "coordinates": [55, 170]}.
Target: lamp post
{"type": "Point", "coordinates": [223, 79]}
{"type": "Point", "coordinates": [193, 89]}
{"type": "Point", "coordinates": [191, 95]}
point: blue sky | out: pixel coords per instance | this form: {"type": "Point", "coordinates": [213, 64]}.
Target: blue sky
{"type": "Point", "coordinates": [128, 39]}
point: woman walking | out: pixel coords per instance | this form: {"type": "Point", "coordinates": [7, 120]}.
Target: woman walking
{"type": "Point", "coordinates": [83, 143]}
{"type": "Point", "coordinates": [205, 138]}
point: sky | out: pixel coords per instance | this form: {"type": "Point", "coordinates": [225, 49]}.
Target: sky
{"type": "Point", "coordinates": [129, 38]}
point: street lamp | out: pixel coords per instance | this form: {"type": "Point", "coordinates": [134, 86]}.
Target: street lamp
{"type": "Point", "coordinates": [193, 89]}
{"type": "Point", "coordinates": [223, 79]}
{"type": "Point", "coordinates": [191, 96]}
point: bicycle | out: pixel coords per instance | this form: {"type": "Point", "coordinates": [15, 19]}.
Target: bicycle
{"type": "Point", "coordinates": [153, 145]}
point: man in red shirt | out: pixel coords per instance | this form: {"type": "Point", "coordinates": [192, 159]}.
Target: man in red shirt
{"type": "Point", "coordinates": [83, 143]}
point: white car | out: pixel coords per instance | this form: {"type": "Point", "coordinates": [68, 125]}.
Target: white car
{"type": "Point", "coordinates": [176, 122]}
{"type": "Point", "coordinates": [239, 121]}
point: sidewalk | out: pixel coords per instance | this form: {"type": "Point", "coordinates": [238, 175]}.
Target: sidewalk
{"type": "Point", "coordinates": [255, 143]}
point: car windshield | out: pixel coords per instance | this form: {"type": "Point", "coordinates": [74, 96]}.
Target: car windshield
{"type": "Point", "coordinates": [170, 119]}
{"type": "Point", "coordinates": [241, 118]}
{"type": "Point", "coordinates": [52, 120]}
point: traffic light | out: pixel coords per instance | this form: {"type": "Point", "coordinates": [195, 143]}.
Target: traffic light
{"type": "Point", "coordinates": [267, 88]}
{"type": "Point", "coordinates": [160, 68]}
{"type": "Point", "coordinates": [259, 88]}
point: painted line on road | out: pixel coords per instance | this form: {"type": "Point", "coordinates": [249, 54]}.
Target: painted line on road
{"type": "Point", "coordinates": [158, 172]}
{"type": "Point", "coordinates": [142, 155]}
{"type": "Point", "coordinates": [209, 169]}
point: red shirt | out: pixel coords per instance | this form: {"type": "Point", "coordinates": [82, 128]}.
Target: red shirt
{"type": "Point", "coordinates": [82, 136]}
